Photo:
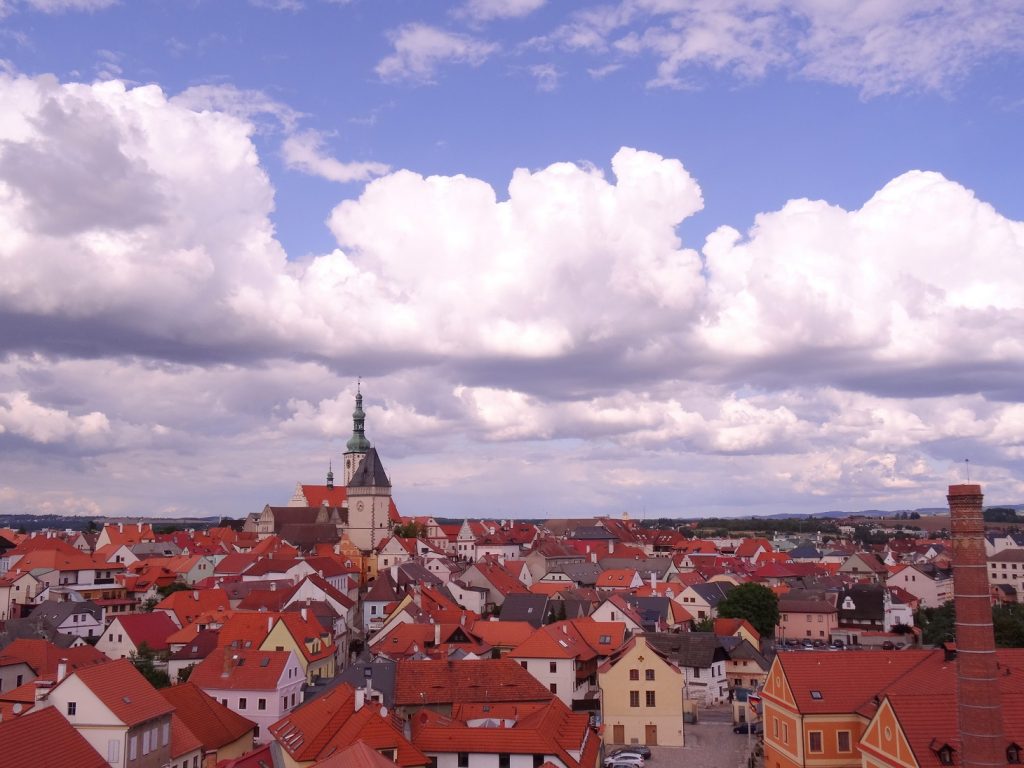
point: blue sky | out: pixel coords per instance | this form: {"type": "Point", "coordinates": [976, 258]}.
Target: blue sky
{"type": "Point", "coordinates": [799, 288]}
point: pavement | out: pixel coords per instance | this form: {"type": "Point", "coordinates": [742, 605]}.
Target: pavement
{"type": "Point", "coordinates": [710, 743]}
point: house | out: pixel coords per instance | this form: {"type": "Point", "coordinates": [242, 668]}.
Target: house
{"type": "Point", "coordinates": [492, 576]}
{"type": "Point", "coordinates": [117, 711]}
{"type": "Point", "coordinates": [441, 685]}
{"type": "Point", "coordinates": [185, 606]}
{"type": "Point", "coordinates": [745, 665]}
{"type": "Point", "coordinates": [864, 565]}
{"type": "Point", "coordinates": [702, 659]}
{"type": "Point", "coordinates": [261, 686]}
{"type": "Point", "coordinates": [486, 735]}
{"type": "Point", "coordinates": [640, 695]}
{"type": "Point", "coordinates": [185, 655]}
{"type": "Point", "coordinates": [14, 673]}
{"type": "Point", "coordinates": [70, 617]}
{"type": "Point", "coordinates": [126, 634]}
{"type": "Point", "coordinates": [337, 719]}
{"type": "Point", "coordinates": [298, 631]}
{"type": "Point", "coordinates": [44, 739]}
{"type": "Point", "coordinates": [45, 658]}
{"type": "Point", "coordinates": [807, 615]}
{"type": "Point", "coordinates": [618, 607]}
{"type": "Point", "coordinates": [1007, 567]}
{"type": "Point", "coordinates": [619, 580]}
{"type": "Point", "coordinates": [931, 585]}
{"type": "Point", "coordinates": [701, 600]}
{"type": "Point", "coordinates": [564, 658]}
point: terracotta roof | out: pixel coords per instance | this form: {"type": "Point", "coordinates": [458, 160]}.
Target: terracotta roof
{"type": "Point", "coordinates": [43, 656]}
{"type": "Point", "coordinates": [247, 670]}
{"type": "Point", "coordinates": [188, 604]}
{"type": "Point", "coordinates": [440, 682]}
{"type": "Point", "coordinates": [503, 633]}
{"type": "Point", "coordinates": [212, 723]}
{"type": "Point", "coordinates": [183, 740]}
{"type": "Point", "coordinates": [356, 756]}
{"type": "Point", "coordinates": [153, 629]}
{"type": "Point", "coordinates": [616, 577]}
{"type": "Point", "coordinates": [123, 690]}
{"type": "Point", "coordinates": [330, 722]}
{"type": "Point", "coordinates": [44, 739]}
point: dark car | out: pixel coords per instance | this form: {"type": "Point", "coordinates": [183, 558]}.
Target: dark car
{"type": "Point", "coordinates": [888, 645]}
{"type": "Point", "coordinates": [640, 749]}
{"type": "Point", "coordinates": [754, 728]}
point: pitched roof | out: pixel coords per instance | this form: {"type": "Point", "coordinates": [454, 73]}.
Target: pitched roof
{"type": "Point", "coordinates": [242, 670]}
{"type": "Point", "coordinates": [124, 691]}
{"type": "Point", "coordinates": [153, 629]}
{"type": "Point", "coordinates": [486, 680]}
{"type": "Point", "coordinates": [43, 656]}
{"type": "Point", "coordinates": [183, 740]}
{"type": "Point", "coordinates": [212, 723]}
{"type": "Point", "coordinates": [358, 755]}
{"type": "Point", "coordinates": [44, 739]}
{"type": "Point", "coordinates": [186, 605]}
{"type": "Point", "coordinates": [370, 472]}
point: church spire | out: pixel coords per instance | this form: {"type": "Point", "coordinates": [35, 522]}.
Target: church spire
{"type": "Point", "coordinates": [358, 442]}
{"type": "Point", "coordinates": [330, 474]}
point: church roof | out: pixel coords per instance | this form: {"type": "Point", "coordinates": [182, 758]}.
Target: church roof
{"type": "Point", "coordinates": [370, 473]}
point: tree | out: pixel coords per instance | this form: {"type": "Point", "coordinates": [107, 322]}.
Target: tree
{"type": "Point", "coordinates": [145, 661]}
{"type": "Point", "coordinates": [185, 672]}
{"type": "Point", "coordinates": [754, 602]}
{"type": "Point", "coordinates": [937, 624]}
{"type": "Point", "coordinates": [174, 586]}
{"type": "Point", "coordinates": [411, 530]}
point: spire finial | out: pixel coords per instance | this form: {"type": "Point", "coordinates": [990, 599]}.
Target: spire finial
{"type": "Point", "coordinates": [967, 467]}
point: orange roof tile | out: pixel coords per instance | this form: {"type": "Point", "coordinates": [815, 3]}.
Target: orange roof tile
{"type": "Point", "coordinates": [44, 739]}
{"type": "Point", "coordinates": [123, 690]}
{"type": "Point", "coordinates": [436, 682]}
{"type": "Point", "coordinates": [213, 724]}
{"type": "Point", "coordinates": [246, 670]}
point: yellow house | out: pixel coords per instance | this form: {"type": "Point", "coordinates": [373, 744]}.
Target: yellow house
{"type": "Point", "coordinates": [312, 644]}
{"type": "Point", "coordinates": [641, 697]}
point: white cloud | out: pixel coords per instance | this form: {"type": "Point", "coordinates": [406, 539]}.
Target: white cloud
{"type": "Point", "coordinates": [60, 6]}
{"type": "Point", "coordinates": [486, 10]}
{"type": "Point", "coordinates": [547, 76]}
{"type": "Point", "coordinates": [249, 105]}
{"type": "Point", "coordinates": [877, 48]}
{"type": "Point", "coordinates": [21, 417]}
{"type": "Point", "coordinates": [420, 49]}
{"type": "Point", "coordinates": [303, 151]}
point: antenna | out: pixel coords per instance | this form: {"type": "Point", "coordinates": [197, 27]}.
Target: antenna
{"type": "Point", "coordinates": [967, 467]}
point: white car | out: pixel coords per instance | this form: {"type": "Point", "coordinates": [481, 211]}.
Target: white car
{"type": "Point", "coordinates": [624, 758]}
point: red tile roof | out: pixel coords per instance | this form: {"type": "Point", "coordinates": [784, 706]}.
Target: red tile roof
{"type": "Point", "coordinates": [247, 670]}
{"type": "Point", "coordinates": [183, 740]}
{"type": "Point", "coordinates": [213, 724]}
{"type": "Point", "coordinates": [44, 739]}
{"type": "Point", "coordinates": [188, 604]}
{"type": "Point", "coordinates": [153, 629]}
{"type": "Point", "coordinates": [359, 755]}
{"type": "Point", "coordinates": [445, 682]}
{"type": "Point", "coordinates": [43, 656]}
{"type": "Point", "coordinates": [123, 690]}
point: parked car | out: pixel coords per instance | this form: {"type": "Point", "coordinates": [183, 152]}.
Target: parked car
{"type": "Point", "coordinates": [747, 728]}
{"type": "Point", "coordinates": [888, 645]}
{"type": "Point", "coordinates": [640, 749]}
{"type": "Point", "coordinates": [632, 759]}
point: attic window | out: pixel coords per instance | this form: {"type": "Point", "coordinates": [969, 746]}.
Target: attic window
{"type": "Point", "coordinates": [816, 695]}
{"type": "Point", "coordinates": [1013, 754]}
{"type": "Point", "coordinates": [265, 661]}
{"type": "Point", "coordinates": [945, 754]}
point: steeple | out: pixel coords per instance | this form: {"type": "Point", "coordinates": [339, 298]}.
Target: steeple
{"type": "Point", "coordinates": [358, 442]}
{"type": "Point", "coordinates": [330, 474]}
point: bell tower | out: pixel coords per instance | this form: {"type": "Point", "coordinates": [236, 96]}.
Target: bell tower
{"type": "Point", "coordinates": [357, 445]}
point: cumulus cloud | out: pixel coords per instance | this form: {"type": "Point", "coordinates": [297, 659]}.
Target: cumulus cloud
{"type": "Point", "coordinates": [419, 49]}
{"type": "Point", "coordinates": [304, 152]}
{"type": "Point", "coordinates": [157, 332]}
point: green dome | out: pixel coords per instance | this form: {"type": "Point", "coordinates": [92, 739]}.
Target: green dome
{"type": "Point", "coordinates": [358, 442]}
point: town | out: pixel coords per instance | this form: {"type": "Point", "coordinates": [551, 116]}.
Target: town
{"type": "Point", "coordinates": [335, 631]}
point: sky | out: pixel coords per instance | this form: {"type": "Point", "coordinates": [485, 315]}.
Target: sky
{"type": "Point", "coordinates": [666, 257]}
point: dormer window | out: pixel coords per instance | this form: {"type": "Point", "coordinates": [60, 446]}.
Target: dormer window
{"type": "Point", "coordinates": [944, 752]}
{"type": "Point", "coordinates": [1013, 754]}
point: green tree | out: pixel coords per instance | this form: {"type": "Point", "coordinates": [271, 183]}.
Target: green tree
{"type": "Point", "coordinates": [411, 530]}
{"type": "Point", "coordinates": [174, 586]}
{"type": "Point", "coordinates": [704, 625]}
{"type": "Point", "coordinates": [145, 661]}
{"type": "Point", "coordinates": [185, 673]}
{"type": "Point", "coordinates": [754, 602]}
{"type": "Point", "coordinates": [938, 625]}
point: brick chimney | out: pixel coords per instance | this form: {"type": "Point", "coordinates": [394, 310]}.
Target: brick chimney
{"type": "Point", "coordinates": [978, 700]}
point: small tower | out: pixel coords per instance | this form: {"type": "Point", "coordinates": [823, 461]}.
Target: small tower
{"type": "Point", "coordinates": [369, 503]}
{"type": "Point", "coordinates": [357, 445]}
{"type": "Point", "coordinates": [330, 475]}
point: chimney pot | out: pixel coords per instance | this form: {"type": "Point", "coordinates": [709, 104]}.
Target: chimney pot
{"type": "Point", "coordinates": [305, 613]}
{"type": "Point", "coordinates": [62, 669]}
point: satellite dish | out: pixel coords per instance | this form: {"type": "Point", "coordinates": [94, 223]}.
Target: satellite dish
{"type": "Point", "coordinates": [383, 711]}
{"type": "Point", "coordinates": [16, 709]}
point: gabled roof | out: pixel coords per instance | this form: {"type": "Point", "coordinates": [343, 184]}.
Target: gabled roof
{"type": "Point", "coordinates": [43, 656]}
{"type": "Point", "coordinates": [331, 722]}
{"type": "Point", "coordinates": [44, 739]}
{"type": "Point", "coordinates": [188, 604]}
{"type": "Point", "coordinates": [688, 649]}
{"type": "Point", "coordinates": [212, 723]}
{"type": "Point", "coordinates": [123, 690]}
{"type": "Point", "coordinates": [153, 629]}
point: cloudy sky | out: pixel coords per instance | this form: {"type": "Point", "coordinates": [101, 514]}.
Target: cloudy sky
{"type": "Point", "coordinates": [670, 257]}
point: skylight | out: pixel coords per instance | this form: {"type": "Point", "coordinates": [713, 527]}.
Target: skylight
{"type": "Point", "coordinates": [816, 695]}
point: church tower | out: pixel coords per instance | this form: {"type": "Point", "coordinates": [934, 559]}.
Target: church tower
{"type": "Point", "coordinates": [357, 445]}
{"type": "Point", "coordinates": [369, 503]}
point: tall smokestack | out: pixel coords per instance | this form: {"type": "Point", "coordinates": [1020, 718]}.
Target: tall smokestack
{"type": "Point", "coordinates": [978, 700]}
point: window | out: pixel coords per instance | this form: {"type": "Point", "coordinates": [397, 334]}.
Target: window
{"type": "Point", "coordinates": [113, 751]}
{"type": "Point", "coordinates": [523, 664]}
{"type": "Point", "coordinates": [775, 727]}
{"type": "Point", "coordinates": [261, 704]}
{"type": "Point", "coordinates": [242, 703]}
{"type": "Point", "coordinates": [293, 699]}
{"type": "Point", "coordinates": [554, 687]}
{"type": "Point", "coordinates": [648, 674]}
{"type": "Point", "coordinates": [552, 667]}
{"type": "Point", "coordinates": [538, 761]}
{"type": "Point", "coordinates": [785, 733]}
{"type": "Point", "coordinates": [1013, 754]}
{"type": "Point", "coordinates": [634, 698]}
{"type": "Point", "coordinates": [650, 699]}
{"type": "Point", "coordinates": [284, 702]}
{"type": "Point", "coordinates": [634, 674]}
{"type": "Point", "coordinates": [72, 708]}
{"type": "Point", "coordinates": [843, 741]}
{"type": "Point", "coordinates": [504, 760]}
{"type": "Point", "coordinates": [17, 682]}
{"type": "Point", "coordinates": [133, 747]}
{"type": "Point", "coordinates": [145, 742]}
{"type": "Point", "coordinates": [463, 759]}
{"type": "Point", "coordinates": [814, 741]}
{"type": "Point", "coordinates": [696, 673]}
